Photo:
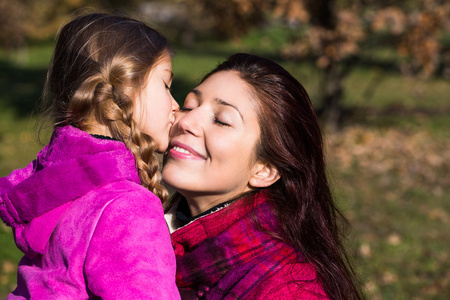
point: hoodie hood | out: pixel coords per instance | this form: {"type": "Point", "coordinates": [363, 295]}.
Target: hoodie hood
{"type": "Point", "coordinates": [33, 199]}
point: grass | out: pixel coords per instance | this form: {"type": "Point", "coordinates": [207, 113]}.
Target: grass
{"type": "Point", "coordinates": [389, 164]}
{"type": "Point", "coordinates": [393, 187]}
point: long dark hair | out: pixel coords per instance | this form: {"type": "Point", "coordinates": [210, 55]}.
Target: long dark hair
{"type": "Point", "coordinates": [100, 63]}
{"type": "Point", "coordinates": [291, 140]}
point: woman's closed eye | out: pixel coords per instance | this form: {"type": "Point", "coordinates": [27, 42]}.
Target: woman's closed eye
{"type": "Point", "coordinates": [220, 122]}
{"type": "Point", "coordinates": [185, 108]}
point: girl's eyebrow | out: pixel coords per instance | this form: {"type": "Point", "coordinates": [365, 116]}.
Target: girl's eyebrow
{"type": "Point", "coordinates": [171, 73]}
{"type": "Point", "coordinates": [218, 100]}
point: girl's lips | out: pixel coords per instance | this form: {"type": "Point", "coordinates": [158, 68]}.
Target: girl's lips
{"type": "Point", "coordinates": [182, 151]}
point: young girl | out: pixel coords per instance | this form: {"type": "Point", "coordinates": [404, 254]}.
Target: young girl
{"type": "Point", "coordinates": [87, 212]}
{"type": "Point", "coordinates": [254, 217]}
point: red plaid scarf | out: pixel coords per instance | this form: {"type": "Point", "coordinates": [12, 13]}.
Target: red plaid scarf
{"type": "Point", "coordinates": [225, 254]}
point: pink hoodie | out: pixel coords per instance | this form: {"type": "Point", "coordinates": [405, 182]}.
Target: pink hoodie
{"type": "Point", "coordinates": [106, 237]}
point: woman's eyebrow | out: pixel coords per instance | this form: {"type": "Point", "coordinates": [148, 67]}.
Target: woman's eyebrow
{"type": "Point", "coordinates": [196, 93]}
{"type": "Point", "coordinates": [225, 103]}
{"type": "Point", "coordinates": [220, 101]}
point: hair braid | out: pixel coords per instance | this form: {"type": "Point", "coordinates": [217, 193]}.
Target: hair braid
{"type": "Point", "coordinates": [115, 110]}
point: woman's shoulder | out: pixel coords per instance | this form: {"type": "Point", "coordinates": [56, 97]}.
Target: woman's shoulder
{"type": "Point", "coordinates": [292, 281]}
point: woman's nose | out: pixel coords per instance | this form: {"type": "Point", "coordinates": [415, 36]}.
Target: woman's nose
{"type": "Point", "coordinates": [188, 122]}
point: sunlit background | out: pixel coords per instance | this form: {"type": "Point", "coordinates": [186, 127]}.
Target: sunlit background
{"type": "Point", "coordinates": [378, 72]}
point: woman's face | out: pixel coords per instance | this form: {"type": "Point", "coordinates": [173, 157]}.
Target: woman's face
{"type": "Point", "coordinates": [213, 140]}
{"type": "Point", "coordinates": [155, 105]}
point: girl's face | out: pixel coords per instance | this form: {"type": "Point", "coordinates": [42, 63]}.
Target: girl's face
{"type": "Point", "coordinates": [155, 106]}
{"type": "Point", "coordinates": [213, 140]}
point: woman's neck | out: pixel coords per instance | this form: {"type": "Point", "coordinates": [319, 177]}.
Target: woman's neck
{"type": "Point", "coordinates": [199, 203]}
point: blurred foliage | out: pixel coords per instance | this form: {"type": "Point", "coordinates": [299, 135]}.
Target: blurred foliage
{"type": "Point", "coordinates": [231, 18]}
{"type": "Point", "coordinates": [12, 29]}
{"type": "Point", "coordinates": [414, 28]}
{"type": "Point", "coordinates": [333, 31]}
{"type": "Point", "coordinates": [336, 34]}
{"type": "Point", "coordinates": [22, 20]}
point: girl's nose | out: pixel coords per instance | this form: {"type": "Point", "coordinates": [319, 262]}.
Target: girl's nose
{"type": "Point", "coordinates": [175, 105]}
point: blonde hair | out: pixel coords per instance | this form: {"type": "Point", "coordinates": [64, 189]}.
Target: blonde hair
{"type": "Point", "coordinates": [100, 63]}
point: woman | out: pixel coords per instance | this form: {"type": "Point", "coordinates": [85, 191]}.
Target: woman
{"type": "Point", "coordinates": [87, 212]}
{"type": "Point", "coordinates": [253, 217]}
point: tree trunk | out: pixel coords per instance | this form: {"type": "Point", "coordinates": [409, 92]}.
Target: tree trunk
{"type": "Point", "coordinates": [330, 111]}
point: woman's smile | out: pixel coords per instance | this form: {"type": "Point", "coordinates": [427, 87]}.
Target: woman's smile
{"type": "Point", "coordinates": [181, 151]}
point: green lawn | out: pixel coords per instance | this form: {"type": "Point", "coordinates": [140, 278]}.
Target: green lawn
{"type": "Point", "coordinates": [389, 165]}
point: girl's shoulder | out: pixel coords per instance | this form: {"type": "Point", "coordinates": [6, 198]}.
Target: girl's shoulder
{"type": "Point", "coordinates": [126, 196]}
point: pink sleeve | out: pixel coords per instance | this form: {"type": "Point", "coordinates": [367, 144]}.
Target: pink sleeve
{"type": "Point", "coordinates": [15, 177]}
{"type": "Point", "coordinates": [8, 212]}
{"type": "Point", "coordinates": [130, 255]}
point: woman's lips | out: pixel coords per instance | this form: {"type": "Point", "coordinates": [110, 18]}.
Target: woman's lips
{"type": "Point", "coordinates": [182, 151]}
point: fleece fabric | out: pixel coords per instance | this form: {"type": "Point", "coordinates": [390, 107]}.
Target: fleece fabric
{"type": "Point", "coordinates": [233, 253]}
{"type": "Point", "coordinates": [87, 227]}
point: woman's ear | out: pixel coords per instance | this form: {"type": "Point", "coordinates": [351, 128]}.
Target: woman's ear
{"type": "Point", "coordinates": [264, 175]}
